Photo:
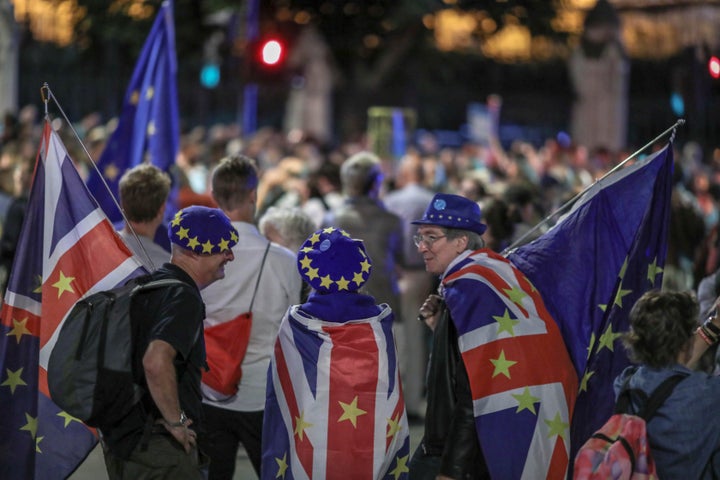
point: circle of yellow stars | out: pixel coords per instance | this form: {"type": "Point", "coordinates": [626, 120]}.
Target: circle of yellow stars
{"type": "Point", "coordinates": [194, 244]}
{"type": "Point", "coordinates": [325, 280]}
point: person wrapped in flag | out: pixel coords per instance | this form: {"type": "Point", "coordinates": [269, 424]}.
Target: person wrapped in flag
{"type": "Point", "coordinates": [334, 406]}
{"type": "Point", "coordinates": [501, 385]}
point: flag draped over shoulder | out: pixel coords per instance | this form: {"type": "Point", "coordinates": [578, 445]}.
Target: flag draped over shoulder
{"type": "Point", "coordinates": [335, 407]}
{"type": "Point", "coordinates": [522, 381]}
{"type": "Point", "coordinates": [148, 129]}
{"type": "Point", "coordinates": [591, 268]}
{"type": "Point", "coordinates": [67, 250]}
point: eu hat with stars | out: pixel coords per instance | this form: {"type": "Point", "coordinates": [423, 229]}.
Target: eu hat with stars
{"type": "Point", "coordinates": [453, 211]}
{"type": "Point", "coordinates": [330, 261]}
{"type": "Point", "coordinates": [203, 230]}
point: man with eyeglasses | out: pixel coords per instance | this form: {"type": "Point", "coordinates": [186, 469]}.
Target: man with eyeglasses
{"type": "Point", "coordinates": [496, 404]}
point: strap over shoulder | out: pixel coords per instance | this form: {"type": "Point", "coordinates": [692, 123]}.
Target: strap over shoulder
{"type": "Point", "coordinates": [650, 402]}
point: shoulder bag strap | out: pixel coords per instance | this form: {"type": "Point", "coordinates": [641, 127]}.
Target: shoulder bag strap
{"type": "Point", "coordinates": [257, 282]}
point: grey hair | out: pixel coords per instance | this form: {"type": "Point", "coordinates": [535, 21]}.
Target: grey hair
{"type": "Point", "coordinates": [360, 174]}
{"type": "Point", "coordinates": [292, 224]}
{"type": "Point", "coordinates": [475, 241]}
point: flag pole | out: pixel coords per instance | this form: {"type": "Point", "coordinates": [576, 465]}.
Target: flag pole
{"type": "Point", "coordinates": [672, 130]}
{"type": "Point", "coordinates": [46, 90]}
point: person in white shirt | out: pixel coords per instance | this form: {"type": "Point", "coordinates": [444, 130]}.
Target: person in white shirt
{"type": "Point", "coordinates": [238, 419]}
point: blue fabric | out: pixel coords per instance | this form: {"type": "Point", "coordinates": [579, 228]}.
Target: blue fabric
{"type": "Point", "coordinates": [149, 122]}
{"type": "Point", "coordinates": [685, 431]}
{"type": "Point", "coordinates": [453, 211]}
{"type": "Point", "coordinates": [592, 267]}
{"type": "Point", "coordinates": [340, 307]}
{"type": "Point", "coordinates": [203, 230]}
{"type": "Point", "coordinates": [330, 260]}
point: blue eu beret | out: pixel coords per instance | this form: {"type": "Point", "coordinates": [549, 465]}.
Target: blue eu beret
{"type": "Point", "coordinates": [453, 211]}
{"type": "Point", "coordinates": [330, 261]}
{"type": "Point", "coordinates": [203, 230]}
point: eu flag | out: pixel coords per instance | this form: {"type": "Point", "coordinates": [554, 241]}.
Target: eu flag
{"type": "Point", "coordinates": [148, 129]}
{"type": "Point", "coordinates": [592, 267]}
{"type": "Point", "coordinates": [67, 250]}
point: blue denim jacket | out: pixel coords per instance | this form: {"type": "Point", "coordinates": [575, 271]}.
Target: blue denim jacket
{"type": "Point", "coordinates": [685, 431]}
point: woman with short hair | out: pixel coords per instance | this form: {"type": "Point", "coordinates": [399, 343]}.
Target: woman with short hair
{"type": "Point", "coordinates": [665, 340]}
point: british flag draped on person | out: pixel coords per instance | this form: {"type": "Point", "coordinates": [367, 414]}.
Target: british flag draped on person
{"type": "Point", "coordinates": [334, 405]}
{"type": "Point", "coordinates": [494, 345]}
{"type": "Point", "coordinates": [504, 396]}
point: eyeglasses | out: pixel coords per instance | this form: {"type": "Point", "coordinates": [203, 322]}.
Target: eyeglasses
{"type": "Point", "coordinates": [427, 240]}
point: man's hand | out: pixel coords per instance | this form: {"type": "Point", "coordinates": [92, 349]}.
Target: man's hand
{"type": "Point", "coordinates": [185, 436]}
{"type": "Point", "coordinates": [429, 310]}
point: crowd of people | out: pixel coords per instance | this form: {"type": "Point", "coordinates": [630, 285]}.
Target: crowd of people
{"type": "Point", "coordinates": [277, 192]}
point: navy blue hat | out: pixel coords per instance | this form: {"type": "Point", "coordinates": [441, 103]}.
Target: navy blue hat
{"type": "Point", "coordinates": [453, 211]}
{"type": "Point", "coordinates": [330, 261]}
{"type": "Point", "coordinates": [203, 230]}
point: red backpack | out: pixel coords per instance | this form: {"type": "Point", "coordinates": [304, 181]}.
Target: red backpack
{"type": "Point", "coordinates": [620, 449]}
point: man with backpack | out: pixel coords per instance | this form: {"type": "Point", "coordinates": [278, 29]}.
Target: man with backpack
{"type": "Point", "coordinates": [158, 437]}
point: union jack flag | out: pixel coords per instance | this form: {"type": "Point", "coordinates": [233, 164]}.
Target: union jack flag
{"type": "Point", "coordinates": [67, 249]}
{"type": "Point", "coordinates": [335, 407]}
{"type": "Point", "coordinates": [522, 380]}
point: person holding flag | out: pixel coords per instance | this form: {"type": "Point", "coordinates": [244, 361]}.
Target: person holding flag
{"type": "Point", "coordinates": [501, 384]}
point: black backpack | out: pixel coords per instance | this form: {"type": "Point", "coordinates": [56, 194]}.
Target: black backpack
{"type": "Point", "coordinates": [90, 371]}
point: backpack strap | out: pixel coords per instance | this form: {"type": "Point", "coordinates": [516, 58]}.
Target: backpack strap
{"type": "Point", "coordinates": [660, 394]}
{"type": "Point", "coordinates": [652, 402]}
{"type": "Point", "coordinates": [165, 282]}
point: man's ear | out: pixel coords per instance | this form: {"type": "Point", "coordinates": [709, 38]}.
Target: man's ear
{"type": "Point", "coordinates": [464, 240]}
{"type": "Point", "coordinates": [161, 212]}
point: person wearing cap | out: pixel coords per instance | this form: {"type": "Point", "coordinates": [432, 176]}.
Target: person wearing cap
{"type": "Point", "coordinates": [158, 438]}
{"type": "Point", "coordinates": [485, 310]}
{"type": "Point", "coordinates": [334, 406]}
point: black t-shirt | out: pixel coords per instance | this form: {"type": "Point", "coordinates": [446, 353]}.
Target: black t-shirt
{"type": "Point", "coordinates": [175, 315]}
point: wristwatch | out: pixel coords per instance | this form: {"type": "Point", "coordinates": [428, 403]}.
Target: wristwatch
{"type": "Point", "coordinates": [182, 422]}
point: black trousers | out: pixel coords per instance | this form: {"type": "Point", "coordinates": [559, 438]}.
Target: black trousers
{"type": "Point", "coordinates": [225, 430]}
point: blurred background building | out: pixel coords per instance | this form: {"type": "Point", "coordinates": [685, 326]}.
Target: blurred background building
{"type": "Point", "coordinates": [338, 58]}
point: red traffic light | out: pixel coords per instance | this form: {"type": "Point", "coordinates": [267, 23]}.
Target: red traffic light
{"type": "Point", "coordinates": [714, 67]}
{"type": "Point", "coordinates": [272, 52]}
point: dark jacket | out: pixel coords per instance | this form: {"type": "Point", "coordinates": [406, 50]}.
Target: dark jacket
{"type": "Point", "coordinates": [382, 233]}
{"type": "Point", "coordinates": [449, 421]}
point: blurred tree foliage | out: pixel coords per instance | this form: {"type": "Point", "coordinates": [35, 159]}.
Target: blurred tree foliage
{"type": "Point", "coordinates": [368, 38]}
{"type": "Point", "coordinates": [379, 47]}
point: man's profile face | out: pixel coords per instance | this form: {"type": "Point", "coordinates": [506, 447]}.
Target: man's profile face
{"type": "Point", "coordinates": [437, 250]}
{"type": "Point", "coordinates": [213, 265]}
